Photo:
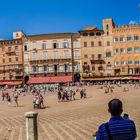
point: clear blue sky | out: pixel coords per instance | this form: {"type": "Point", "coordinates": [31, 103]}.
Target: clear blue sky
{"type": "Point", "coordinates": [54, 16]}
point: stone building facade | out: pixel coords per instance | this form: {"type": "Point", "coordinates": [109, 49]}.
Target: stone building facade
{"type": "Point", "coordinates": [51, 55]}
{"type": "Point", "coordinates": [11, 59]}
{"type": "Point", "coordinates": [126, 45]}
{"type": "Point", "coordinates": [112, 51]}
{"type": "Point", "coordinates": [97, 50]}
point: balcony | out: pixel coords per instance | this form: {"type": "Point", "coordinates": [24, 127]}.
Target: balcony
{"type": "Point", "coordinates": [11, 52]}
{"type": "Point", "coordinates": [49, 74]}
{"type": "Point", "coordinates": [50, 60]}
{"type": "Point", "coordinates": [98, 60]}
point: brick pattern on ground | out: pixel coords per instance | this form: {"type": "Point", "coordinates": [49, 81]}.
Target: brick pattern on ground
{"type": "Point", "coordinates": [75, 120]}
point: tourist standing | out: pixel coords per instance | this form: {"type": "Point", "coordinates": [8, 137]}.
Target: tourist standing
{"type": "Point", "coordinates": [117, 128]}
{"type": "Point", "coordinates": [15, 95]}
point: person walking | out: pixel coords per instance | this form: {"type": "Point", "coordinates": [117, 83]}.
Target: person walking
{"type": "Point", "coordinates": [15, 95]}
{"type": "Point", "coordinates": [8, 99]}
{"type": "Point", "coordinates": [118, 128]}
{"type": "Point", "coordinates": [81, 93]}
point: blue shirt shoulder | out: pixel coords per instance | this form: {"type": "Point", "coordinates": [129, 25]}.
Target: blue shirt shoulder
{"type": "Point", "coordinates": [120, 129]}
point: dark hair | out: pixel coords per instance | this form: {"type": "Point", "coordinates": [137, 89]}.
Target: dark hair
{"type": "Point", "coordinates": [115, 107]}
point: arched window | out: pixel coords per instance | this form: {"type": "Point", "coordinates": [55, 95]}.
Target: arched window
{"type": "Point", "coordinates": [98, 34]}
{"type": "Point", "coordinates": [107, 33]}
{"type": "Point", "coordinates": [107, 26]}
{"type": "Point", "coordinates": [91, 34]}
{"type": "Point", "coordinates": [85, 34]}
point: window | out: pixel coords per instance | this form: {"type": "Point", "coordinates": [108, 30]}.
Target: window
{"type": "Point", "coordinates": [55, 55]}
{"type": "Point", "coordinates": [76, 54]}
{"type": "Point", "coordinates": [44, 46]}
{"type": "Point", "coordinates": [123, 63]}
{"type": "Point", "coordinates": [16, 42]}
{"type": "Point", "coordinates": [108, 54]}
{"type": "Point", "coordinates": [16, 59]}
{"type": "Point", "coordinates": [115, 39]}
{"type": "Point", "coordinates": [16, 48]}
{"type": "Point", "coordinates": [44, 55]}
{"type": "Point", "coordinates": [92, 56]}
{"type": "Point", "coordinates": [136, 38]}
{"type": "Point", "coordinates": [99, 56]}
{"type": "Point", "coordinates": [34, 56]}
{"type": "Point", "coordinates": [56, 68]}
{"type": "Point", "coordinates": [129, 50]}
{"type": "Point", "coordinates": [2, 43]}
{"type": "Point", "coordinates": [66, 54]}
{"type": "Point", "coordinates": [100, 43]}
{"type": "Point", "coordinates": [45, 68]}
{"type": "Point", "coordinates": [100, 68]}
{"type": "Point", "coordinates": [55, 45]}
{"type": "Point", "coordinates": [98, 34]}
{"type": "Point", "coordinates": [34, 69]}
{"type": "Point", "coordinates": [91, 34]}
{"type": "Point", "coordinates": [93, 68]}
{"type": "Point", "coordinates": [116, 63]}
{"type": "Point", "coordinates": [65, 44]}
{"type": "Point", "coordinates": [137, 62]}
{"type": "Point", "coordinates": [25, 47]}
{"type": "Point", "coordinates": [121, 39]}
{"type": "Point", "coordinates": [17, 35]}
{"type": "Point", "coordinates": [130, 62]}
{"type": "Point", "coordinates": [85, 44]}
{"type": "Point", "coordinates": [129, 38]}
{"type": "Point", "coordinates": [33, 45]}
{"type": "Point", "coordinates": [9, 49]}
{"type": "Point", "coordinates": [25, 56]}
{"type": "Point", "coordinates": [10, 60]}
{"type": "Point", "coordinates": [10, 42]}
{"type": "Point", "coordinates": [76, 44]}
{"type": "Point", "coordinates": [66, 68]}
{"type": "Point", "coordinates": [122, 50]}
{"type": "Point", "coordinates": [108, 43]}
{"type": "Point", "coordinates": [107, 27]}
{"type": "Point", "coordinates": [85, 34]}
{"type": "Point", "coordinates": [107, 33]}
{"type": "Point", "coordinates": [86, 67]}
{"type": "Point", "coordinates": [109, 67]}
{"type": "Point", "coordinates": [116, 51]}
{"type": "Point", "coordinates": [85, 56]}
{"type": "Point", "coordinates": [137, 49]}
{"type": "Point", "coordinates": [92, 44]}
{"type": "Point", "coordinates": [3, 60]}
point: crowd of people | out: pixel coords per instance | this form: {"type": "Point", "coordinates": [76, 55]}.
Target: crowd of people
{"type": "Point", "coordinates": [68, 93]}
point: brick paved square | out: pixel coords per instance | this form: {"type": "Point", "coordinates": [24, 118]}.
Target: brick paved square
{"type": "Point", "coordinates": [75, 120]}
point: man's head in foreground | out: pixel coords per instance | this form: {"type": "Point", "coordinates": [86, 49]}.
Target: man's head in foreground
{"type": "Point", "coordinates": [115, 107]}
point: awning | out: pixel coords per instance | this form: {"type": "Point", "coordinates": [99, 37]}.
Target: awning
{"type": "Point", "coordinates": [106, 78]}
{"type": "Point", "coordinates": [11, 83]}
{"type": "Point", "coordinates": [136, 77]}
{"type": "Point", "coordinates": [62, 79]}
